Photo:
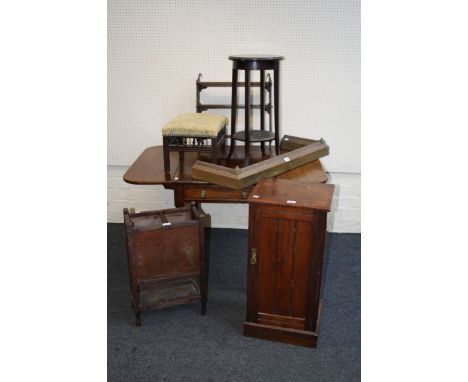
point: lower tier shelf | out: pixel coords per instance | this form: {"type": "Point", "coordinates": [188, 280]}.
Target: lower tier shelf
{"type": "Point", "coordinates": [255, 136]}
{"type": "Point", "coordinates": [160, 294]}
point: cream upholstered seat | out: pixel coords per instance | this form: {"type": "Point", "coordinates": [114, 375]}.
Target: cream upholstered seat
{"type": "Point", "coordinates": [198, 125]}
{"type": "Point", "coordinates": [193, 132]}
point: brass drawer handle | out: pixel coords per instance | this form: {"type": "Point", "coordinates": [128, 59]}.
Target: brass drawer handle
{"type": "Point", "coordinates": [203, 194]}
{"type": "Point", "coordinates": [244, 194]}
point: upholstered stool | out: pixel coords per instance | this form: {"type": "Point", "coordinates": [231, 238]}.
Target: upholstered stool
{"type": "Point", "coordinates": [191, 132]}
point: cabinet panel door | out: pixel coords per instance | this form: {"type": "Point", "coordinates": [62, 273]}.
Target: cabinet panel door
{"type": "Point", "coordinates": [284, 251]}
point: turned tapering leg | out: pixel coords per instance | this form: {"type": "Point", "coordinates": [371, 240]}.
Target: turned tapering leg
{"type": "Point", "coordinates": [276, 107]}
{"type": "Point", "coordinates": [262, 108]}
{"type": "Point", "coordinates": [247, 118]}
{"type": "Point", "coordinates": [233, 113]}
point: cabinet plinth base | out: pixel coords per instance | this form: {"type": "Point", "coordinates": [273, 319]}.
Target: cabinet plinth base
{"type": "Point", "coordinates": [280, 334]}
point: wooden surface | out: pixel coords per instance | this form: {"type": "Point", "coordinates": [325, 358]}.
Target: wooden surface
{"type": "Point", "coordinates": [280, 192]}
{"type": "Point", "coordinates": [250, 175]}
{"type": "Point", "coordinates": [285, 260]}
{"type": "Point", "coordinates": [148, 168]}
{"type": "Point", "coordinates": [166, 258]}
{"type": "Point", "coordinates": [289, 142]}
{"type": "Point", "coordinates": [255, 57]}
{"type": "Point", "coordinates": [248, 63]}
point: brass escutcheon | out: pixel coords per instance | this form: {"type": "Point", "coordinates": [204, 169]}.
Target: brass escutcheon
{"type": "Point", "coordinates": [253, 256]}
{"type": "Point", "coordinates": [203, 194]}
{"type": "Point", "coordinates": [244, 194]}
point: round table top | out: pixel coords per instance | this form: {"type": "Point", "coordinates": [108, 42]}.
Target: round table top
{"type": "Point", "coordinates": [255, 57]}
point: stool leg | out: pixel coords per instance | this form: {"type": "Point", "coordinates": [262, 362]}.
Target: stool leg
{"type": "Point", "coordinates": [181, 157]}
{"type": "Point", "coordinates": [276, 107]}
{"type": "Point", "coordinates": [233, 113]}
{"type": "Point", "coordinates": [214, 150]}
{"type": "Point", "coordinates": [223, 143]}
{"type": "Point", "coordinates": [167, 164]}
{"type": "Point", "coordinates": [247, 117]}
{"type": "Point", "coordinates": [223, 140]}
{"type": "Point", "coordinates": [262, 107]}
{"type": "Point", "coordinates": [181, 153]}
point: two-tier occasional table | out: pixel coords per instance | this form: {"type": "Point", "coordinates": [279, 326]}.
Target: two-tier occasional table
{"type": "Point", "coordinates": [249, 135]}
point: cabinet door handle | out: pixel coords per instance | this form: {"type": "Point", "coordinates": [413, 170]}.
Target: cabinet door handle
{"type": "Point", "coordinates": [203, 194]}
{"type": "Point", "coordinates": [253, 256]}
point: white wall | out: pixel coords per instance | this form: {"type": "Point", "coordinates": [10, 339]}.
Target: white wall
{"type": "Point", "coordinates": [157, 48]}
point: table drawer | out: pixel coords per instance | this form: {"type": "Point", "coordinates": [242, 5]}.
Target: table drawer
{"type": "Point", "coordinates": [218, 194]}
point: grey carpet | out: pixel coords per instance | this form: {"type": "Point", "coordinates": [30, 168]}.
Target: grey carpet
{"type": "Point", "coordinates": [177, 344]}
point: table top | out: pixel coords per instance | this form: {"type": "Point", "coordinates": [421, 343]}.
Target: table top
{"type": "Point", "coordinates": [148, 168]}
{"type": "Point", "coordinates": [273, 191]}
{"type": "Point", "coordinates": [255, 57]}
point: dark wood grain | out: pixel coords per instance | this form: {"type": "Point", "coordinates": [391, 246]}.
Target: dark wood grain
{"type": "Point", "coordinates": [201, 85]}
{"type": "Point", "coordinates": [285, 193]}
{"type": "Point", "coordinates": [281, 334]}
{"type": "Point", "coordinates": [148, 169]}
{"type": "Point", "coordinates": [246, 118]}
{"type": "Point", "coordinates": [303, 249]}
{"type": "Point", "coordinates": [166, 258]}
{"type": "Point", "coordinates": [284, 283]}
{"type": "Point", "coordinates": [266, 242]}
{"type": "Point", "coordinates": [276, 110]}
{"type": "Point", "coordinates": [252, 303]}
{"type": "Point", "coordinates": [255, 57]}
{"type": "Point", "coordinates": [248, 63]}
{"type": "Point", "coordinates": [215, 194]}
{"type": "Point", "coordinates": [285, 249]}
{"type": "Point", "coordinates": [255, 136]}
